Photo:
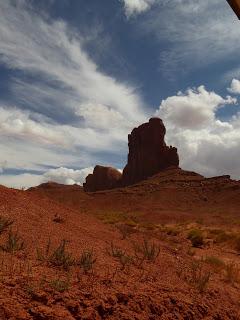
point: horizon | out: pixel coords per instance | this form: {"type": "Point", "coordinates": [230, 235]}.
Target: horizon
{"type": "Point", "coordinates": [76, 78]}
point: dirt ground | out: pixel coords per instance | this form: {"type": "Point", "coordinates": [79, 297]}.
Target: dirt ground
{"type": "Point", "coordinates": [166, 248]}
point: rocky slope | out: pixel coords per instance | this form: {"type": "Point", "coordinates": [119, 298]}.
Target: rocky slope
{"type": "Point", "coordinates": [123, 282]}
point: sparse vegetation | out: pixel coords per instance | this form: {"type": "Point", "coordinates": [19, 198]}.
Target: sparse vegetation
{"type": "Point", "coordinates": [60, 285]}
{"type": "Point", "coordinates": [115, 251]}
{"type": "Point", "coordinates": [4, 224]}
{"type": "Point", "coordinates": [14, 243]}
{"type": "Point", "coordinates": [196, 238]}
{"type": "Point", "coordinates": [44, 256]}
{"type": "Point", "coordinates": [237, 243]}
{"type": "Point", "coordinates": [199, 277]}
{"type": "Point", "coordinates": [232, 273]}
{"type": "Point", "coordinates": [147, 250]}
{"type": "Point", "coordinates": [61, 258]}
{"type": "Point", "coordinates": [87, 260]}
{"type": "Point", "coordinates": [125, 230]}
{"type": "Point", "coordinates": [215, 262]}
{"type": "Point", "coordinates": [125, 260]}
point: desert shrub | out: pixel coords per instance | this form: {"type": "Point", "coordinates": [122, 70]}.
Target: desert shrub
{"type": "Point", "coordinates": [223, 236]}
{"type": "Point", "coordinates": [13, 243]}
{"type": "Point", "coordinates": [148, 225]}
{"type": "Point", "coordinates": [60, 257]}
{"type": "Point", "coordinates": [199, 277]}
{"type": "Point", "coordinates": [196, 238]}
{"type": "Point", "coordinates": [237, 243]}
{"type": "Point", "coordinates": [4, 223]}
{"type": "Point", "coordinates": [60, 285]}
{"type": "Point", "coordinates": [125, 230]}
{"type": "Point", "coordinates": [147, 250]}
{"type": "Point", "coordinates": [115, 251]}
{"type": "Point", "coordinates": [125, 260]}
{"type": "Point", "coordinates": [232, 273]}
{"type": "Point", "coordinates": [87, 260]}
{"type": "Point", "coordinates": [44, 255]}
{"type": "Point", "coordinates": [171, 231]}
{"type": "Point", "coordinates": [215, 262]}
{"type": "Point", "coordinates": [191, 252]}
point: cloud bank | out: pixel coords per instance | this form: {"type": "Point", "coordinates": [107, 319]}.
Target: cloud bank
{"type": "Point", "coordinates": [206, 144]}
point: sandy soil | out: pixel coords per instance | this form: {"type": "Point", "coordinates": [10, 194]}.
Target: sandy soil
{"type": "Point", "coordinates": [128, 254]}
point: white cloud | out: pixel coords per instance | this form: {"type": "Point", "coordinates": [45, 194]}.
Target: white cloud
{"type": "Point", "coordinates": [60, 175]}
{"type": "Point", "coordinates": [235, 86]}
{"type": "Point", "coordinates": [14, 122]}
{"type": "Point", "coordinates": [71, 108]}
{"type": "Point", "coordinates": [51, 49]}
{"type": "Point", "coordinates": [67, 176]}
{"type": "Point", "coordinates": [197, 33]}
{"type": "Point", "coordinates": [21, 181]}
{"type": "Point", "coordinates": [134, 7]}
{"type": "Point", "coordinates": [194, 109]}
{"type": "Point", "coordinates": [212, 149]}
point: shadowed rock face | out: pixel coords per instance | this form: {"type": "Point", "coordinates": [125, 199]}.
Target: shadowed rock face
{"type": "Point", "coordinates": [103, 178]}
{"type": "Point", "coordinates": [148, 153]}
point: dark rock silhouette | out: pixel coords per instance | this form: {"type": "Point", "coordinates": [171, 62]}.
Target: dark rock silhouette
{"type": "Point", "coordinates": [148, 155]}
{"type": "Point", "coordinates": [102, 178]}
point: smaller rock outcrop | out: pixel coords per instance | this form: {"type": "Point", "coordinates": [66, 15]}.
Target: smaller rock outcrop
{"type": "Point", "coordinates": [102, 178]}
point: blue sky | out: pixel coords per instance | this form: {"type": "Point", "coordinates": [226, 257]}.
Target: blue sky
{"type": "Point", "coordinates": [77, 76]}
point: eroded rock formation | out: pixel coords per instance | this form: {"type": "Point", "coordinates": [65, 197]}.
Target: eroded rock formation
{"type": "Point", "coordinates": [102, 178]}
{"type": "Point", "coordinates": [148, 154]}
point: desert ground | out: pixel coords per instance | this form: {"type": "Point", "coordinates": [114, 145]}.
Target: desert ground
{"type": "Point", "coordinates": [164, 248]}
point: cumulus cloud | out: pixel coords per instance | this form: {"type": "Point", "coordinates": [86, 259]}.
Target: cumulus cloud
{"type": "Point", "coordinates": [59, 175]}
{"type": "Point", "coordinates": [67, 176]}
{"type": "Point", "coordinates": [134, 7]}
{"type": "Point", "coordinates": [235, 87]}
{"type": "Point", "coordinates": [212, 149]}
{"type": "Point", "coordinates": [194, 109]}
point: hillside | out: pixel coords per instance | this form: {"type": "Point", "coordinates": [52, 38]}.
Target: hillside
{"type": "Point", "coordinates": [126, 281]}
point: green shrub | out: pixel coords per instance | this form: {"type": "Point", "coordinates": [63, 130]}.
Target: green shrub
{"type": "Point", "coordinates": [4, 223]}
{"type": "Point", "coordinates": [60, 285]}
{"type": "Point", "coordinates": [199, 277]}
{"type": "Point", "coordinates": [115, 251]}
{"type": "Point", "coordinates": [146, 250]}
{"type": "Point", "coordinates": [60, 257]}
{"type": "Point", "coordinates": [14, 243]}
{"type": "Point", "coordinates": [87, 260]}
{"type": "Point", "coordinates": [196, 238]}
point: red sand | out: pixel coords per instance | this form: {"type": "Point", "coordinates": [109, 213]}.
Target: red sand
{"type": "Point", "coordinates": [164, 289]}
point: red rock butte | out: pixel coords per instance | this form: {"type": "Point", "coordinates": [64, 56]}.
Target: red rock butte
{"type": "Point", "coordinates": [148, 155]}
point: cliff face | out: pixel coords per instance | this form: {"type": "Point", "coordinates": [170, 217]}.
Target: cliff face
{"type": "Point", "coordinates": [148, 155]}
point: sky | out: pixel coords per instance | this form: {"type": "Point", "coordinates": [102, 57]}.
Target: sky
{"type": "Point", "coordinates": [77, 76]}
